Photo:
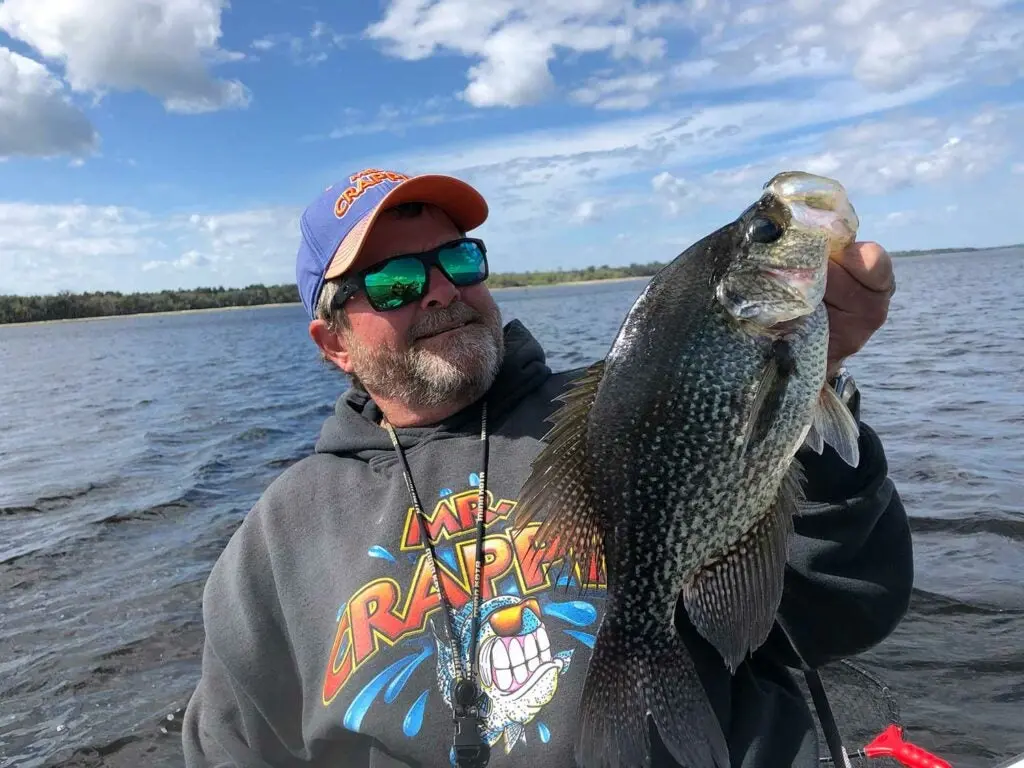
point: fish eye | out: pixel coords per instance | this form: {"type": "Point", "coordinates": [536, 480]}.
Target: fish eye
{"type": "Point", "coordinates": [764, 230]}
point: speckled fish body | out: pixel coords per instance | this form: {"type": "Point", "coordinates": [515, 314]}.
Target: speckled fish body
{"type": "Point", "coordinates": [673, 461]}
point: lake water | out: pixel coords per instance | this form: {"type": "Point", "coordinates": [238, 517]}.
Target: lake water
{"type": "Point", "coordinates": [131, 448]}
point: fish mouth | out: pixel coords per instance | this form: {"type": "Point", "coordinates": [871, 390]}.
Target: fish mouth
{"type": "Point", "coordinates": [803, 282]}
{"type": "Point", "coordinates": [817, 203]}
{"type": "Point", "coordinates": [792, 276]}
{"type": "Point", "coordinates": [513, 664]}
{"type": "Point", "coordinates": [772, 296]}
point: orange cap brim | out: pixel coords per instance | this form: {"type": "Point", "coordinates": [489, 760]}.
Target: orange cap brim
{"type": "Point", "coordinates": [464, 205]}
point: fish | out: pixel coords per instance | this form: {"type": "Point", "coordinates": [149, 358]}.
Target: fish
{"type": "Point", "coordinates": [672, 462]}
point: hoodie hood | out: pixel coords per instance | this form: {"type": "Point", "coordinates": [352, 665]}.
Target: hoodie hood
{"type": "Point", "coordinates": [354, 427]}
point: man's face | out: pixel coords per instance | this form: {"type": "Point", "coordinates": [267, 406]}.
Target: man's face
{"type": "Point", "coordinates": [407, 354]}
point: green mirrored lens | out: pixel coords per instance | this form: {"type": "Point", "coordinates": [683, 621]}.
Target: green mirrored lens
{"type": "Point", "coordinates": [399, 282]}
{"type": "Point", "coordinates": [464, 263]}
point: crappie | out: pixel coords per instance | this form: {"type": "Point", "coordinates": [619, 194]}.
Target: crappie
{"type": "Point", "coordinates": [672, 460]}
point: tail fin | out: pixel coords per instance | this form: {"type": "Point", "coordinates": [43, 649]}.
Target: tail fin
{"type": "Point", "coordinates": [624, 686]}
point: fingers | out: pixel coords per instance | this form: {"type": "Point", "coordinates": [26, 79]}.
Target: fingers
{"type": "Point", "coordinates": [858, 288]}
{"type": "Point", "coordinates": [868, 264]}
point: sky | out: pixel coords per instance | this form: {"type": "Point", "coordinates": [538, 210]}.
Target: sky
{"type": "Point", "coordinates": [161, 144]}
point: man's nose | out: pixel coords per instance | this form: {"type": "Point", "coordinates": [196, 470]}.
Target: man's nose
{"type": "Point", "coordinates": [442, 291]}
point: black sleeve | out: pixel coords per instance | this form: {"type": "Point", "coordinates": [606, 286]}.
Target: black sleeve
{"type": "Point", "coordinates": [851, 570]}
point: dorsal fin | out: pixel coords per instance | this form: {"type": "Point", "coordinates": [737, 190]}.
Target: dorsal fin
{"type": "Point", "coordinates": [557, 493]}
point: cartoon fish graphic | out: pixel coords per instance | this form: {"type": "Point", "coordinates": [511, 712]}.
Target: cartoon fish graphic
{"type": "Point", "coordinates": [673, 461]}
{"type": "Point", "coordinates": [518, 671]}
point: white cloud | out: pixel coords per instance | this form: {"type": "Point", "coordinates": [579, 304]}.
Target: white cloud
{"type": "Point", "coordinates": [514, 69]}
{"type": "Point", "coordinates": [396, 119]}
{"type": "Point", "coordinates": [312, 48]}
{"type": "Point", "coordinates": [899, 217]}
{"type": "Point", "coordinates": [877, 161]}
{"type": "Point", "coordinates": [672, 193]}
{"type": "Point", "coordinates": [47, 248]}
{"type": "Point", "coordinates": [514, 41]}
{"type": "Point", "coordinates": [838, 89]}
{"type": "Point", "coordinates": [188, 260]}
{"type": "Point", "coordinates": [885, 45]}
{"type": "Point", "coordinates": [163, 47]}
{"type": "Point", "coordinates": [586, 212]}
{"type": "Point", "coordinates": [545, 173]}
{"type": "Point", "coordinates": [665, 179]}
{"type": "Point", "coordinates": [511, 45]}
{"type": "Point", "coordinates": [626, 92]}
{"type": "Point", "coordinates": [885, 155]}
{"type": "Point", "coordinates": [36, 116]}
{"type": "Point", "coordinates": [689, 170]}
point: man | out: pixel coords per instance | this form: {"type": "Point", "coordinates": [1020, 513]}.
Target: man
{"type": "Point", "coordinates": [325, 644]}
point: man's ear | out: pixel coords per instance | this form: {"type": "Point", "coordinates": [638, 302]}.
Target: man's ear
{"type": "Point", "coordinates": [331, 343]}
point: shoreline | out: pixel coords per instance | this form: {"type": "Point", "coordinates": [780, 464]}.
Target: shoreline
{"type": "Point", "coordinates": [148, 314]}
{"type": "Point", "coordinates": [233, 308]}
{"type": "Point", "coordinates": [573, 282]}
{"type": "Point", "coordinates": [894, 255]}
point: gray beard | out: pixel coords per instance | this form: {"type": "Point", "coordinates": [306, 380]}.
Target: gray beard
{"type": "Point", "coordinates": [461, 371]}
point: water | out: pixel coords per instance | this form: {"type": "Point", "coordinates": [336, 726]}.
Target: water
{"type": "Point", "coordinates": [131, 448]}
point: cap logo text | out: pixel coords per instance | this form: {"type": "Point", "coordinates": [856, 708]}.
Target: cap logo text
{"type": "Point", "coordinates": [360, 182]}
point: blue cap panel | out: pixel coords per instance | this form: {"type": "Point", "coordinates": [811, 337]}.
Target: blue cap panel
{"type": "Point", "coordinates": [329, 218]}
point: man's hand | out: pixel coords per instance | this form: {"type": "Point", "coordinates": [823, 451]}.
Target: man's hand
{"type": "Point", "coordinates": [860, 284]}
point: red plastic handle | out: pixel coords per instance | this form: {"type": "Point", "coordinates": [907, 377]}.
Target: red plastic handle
{"type": "Point", "coordinates": [890, 743]}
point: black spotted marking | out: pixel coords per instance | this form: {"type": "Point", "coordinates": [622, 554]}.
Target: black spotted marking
{"type": "Point", "coordinates": [785, 360]}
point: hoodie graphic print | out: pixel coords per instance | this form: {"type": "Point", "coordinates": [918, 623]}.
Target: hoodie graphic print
{"type": "Point", "coordinates": [533, 620]}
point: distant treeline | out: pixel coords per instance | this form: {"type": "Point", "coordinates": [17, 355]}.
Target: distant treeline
{"type": "Point", "coordinates": [932, 251]}
{"type": "Point", "coordinates": [66, 305]}
{"type": "Point", "coordinates": [525, 279]}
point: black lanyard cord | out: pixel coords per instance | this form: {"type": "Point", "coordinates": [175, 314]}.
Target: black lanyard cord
{"type": "Point", "coordinates": [481, 516]}
{"type": "Point", "coordinates": [465, 693]}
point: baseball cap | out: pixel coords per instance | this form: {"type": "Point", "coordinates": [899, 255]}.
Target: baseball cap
{"type": "Point", "coordinates": [335, 225]}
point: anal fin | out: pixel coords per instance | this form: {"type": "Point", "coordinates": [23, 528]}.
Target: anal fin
{"type": "Point", "coordinates": [557, 493]}
{"type": "Point", "coordinates": [834, 424]}
{"type": "Point", "coordinates": [733, 601]}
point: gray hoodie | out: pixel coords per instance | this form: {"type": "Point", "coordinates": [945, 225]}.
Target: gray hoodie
{"type": "Point", "coordinates": [323, 640]}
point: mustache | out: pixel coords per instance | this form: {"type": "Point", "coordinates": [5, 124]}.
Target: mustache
{"type": "Point", "coordinates": [444, 319]}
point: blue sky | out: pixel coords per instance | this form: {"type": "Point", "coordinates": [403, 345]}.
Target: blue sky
{"type": "Point", "coordinates": [149, 144]}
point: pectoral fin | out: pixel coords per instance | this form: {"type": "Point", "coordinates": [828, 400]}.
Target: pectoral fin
{"type": "Point", "coordinates": [770, 392]}
{"type": "Point", "coordinates": [834, 424]}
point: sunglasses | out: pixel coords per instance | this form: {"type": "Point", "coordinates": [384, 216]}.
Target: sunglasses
{"type": "Point", "coordinates": [404, 279]}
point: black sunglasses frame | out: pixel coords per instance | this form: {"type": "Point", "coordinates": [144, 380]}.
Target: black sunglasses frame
{"type": "Point", "coordinates": [353, 284]}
